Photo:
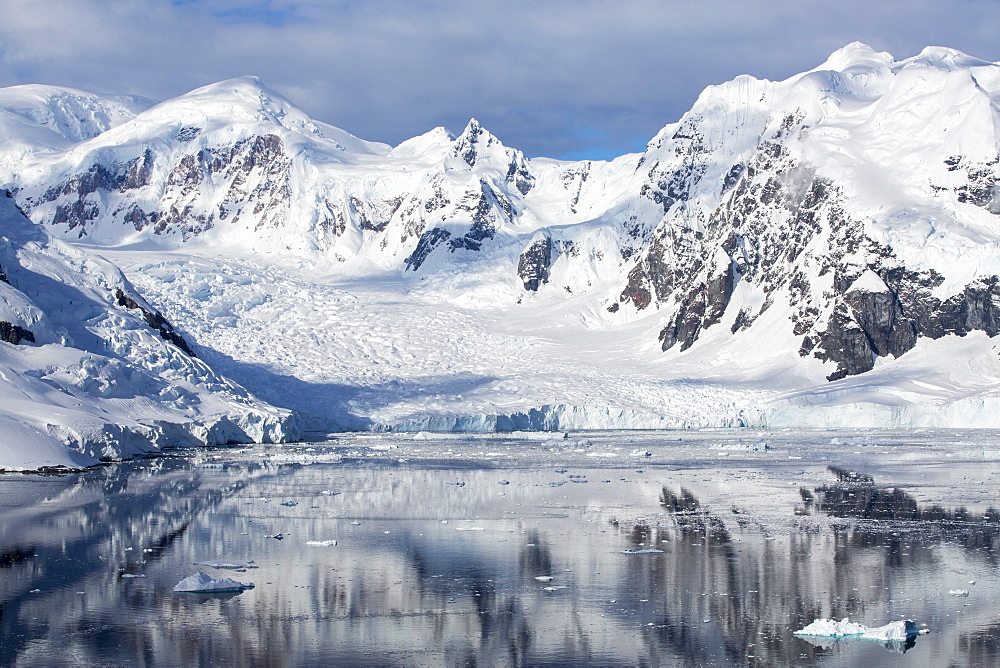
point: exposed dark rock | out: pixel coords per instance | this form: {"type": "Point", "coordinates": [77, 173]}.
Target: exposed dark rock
{"type": "Point", "coordinates": [374, 216]}
{"type": "Point", "coordinates": [975, 308]}
{"type": "Point", "coordinates": [429, 240]}
{"type": "Point", "coordinates": [188, 133]}
{"type": "Point", "coordinates": [79, 201]}
{"type": "Point", "coordinates": [652, 277]}
{"type": "Point", "coordinates": [488, 207]}
{"type": "Point", "coordinates": [138, 172]}
{"type": "Point", "coordinates": [700, 309]}
{"type": "Point", "coordinates": [15, 334]}
{"type": "Point", "coordinates": [518, 174]}
{"type": "Point", "coordinates": [534, 263]}
{"type": "Point", "coordinates": [155, 320]}
{"type": "Point", "coordinates": [467, 146]}
{"type": "Point", "coordinates": [848, 345]}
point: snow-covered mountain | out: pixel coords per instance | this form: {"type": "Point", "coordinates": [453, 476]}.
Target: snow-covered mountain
{"type": "Point", "coordinates": [90, 371]}
{"type": "Point", "coordinates": [779, 236]}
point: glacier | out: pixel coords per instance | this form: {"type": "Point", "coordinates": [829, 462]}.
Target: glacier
{"type": "Point", "coordinates": [818, 252]}
{"type": "Point", "coordinates": [84, 376]}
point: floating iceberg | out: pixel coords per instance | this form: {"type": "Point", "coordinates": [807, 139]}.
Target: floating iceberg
{"type": "Point", "coordinates": [650, 550]}
{"type": "Point", "coordinates": [200, 583]}
{"type": "Point", "coordinates": [831, 628]}
{"type": "Point", "coordinates": [220, 564]}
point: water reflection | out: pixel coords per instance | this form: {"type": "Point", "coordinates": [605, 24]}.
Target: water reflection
{"type": "Point", "coordinates": [893, 519]}
{"type": "Point", "coordinates": [426, 571]}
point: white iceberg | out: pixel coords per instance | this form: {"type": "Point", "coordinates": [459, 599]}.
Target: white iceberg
{"type": "Point", "coordinates": [200, 583]}
{"type": "Point", "coordinates": [220, 564]}
{"type": "Point", "coordinates": [831, 628]}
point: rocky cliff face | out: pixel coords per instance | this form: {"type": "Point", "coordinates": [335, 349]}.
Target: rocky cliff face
{"type": "Point", "coordinates": [837, 202]}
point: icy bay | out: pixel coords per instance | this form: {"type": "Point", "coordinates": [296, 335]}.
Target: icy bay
{"type": "Point", "coordinates": [706, 547]}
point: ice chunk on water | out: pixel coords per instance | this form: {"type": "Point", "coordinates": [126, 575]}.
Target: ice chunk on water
{"type": "Point", "coordinates": [831, 628]}
{"type": "Point", "coordinates": [220, 564]}
{"type": "Point", "coordinates": [322, 543]}
{"type": "Point", "coordinates": [958, 592]}
{"type": "Point", "coordinates": [202, 583]}
{"type": "Point", "coordinates": [650, 550]}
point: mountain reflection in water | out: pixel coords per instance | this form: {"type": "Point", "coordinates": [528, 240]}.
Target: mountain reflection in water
{"type": "Point", "coordinates": [427, 571]}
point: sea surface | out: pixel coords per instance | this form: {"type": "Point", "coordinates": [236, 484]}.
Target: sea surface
{"type": "Point", "coordinates": [652, 548]}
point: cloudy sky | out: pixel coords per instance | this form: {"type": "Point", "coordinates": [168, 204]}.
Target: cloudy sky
{"type": "Point", "coordinates": [559, 78]}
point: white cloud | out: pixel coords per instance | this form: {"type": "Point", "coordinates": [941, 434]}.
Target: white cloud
{"type": "Point", "coordinates": [550, 77]}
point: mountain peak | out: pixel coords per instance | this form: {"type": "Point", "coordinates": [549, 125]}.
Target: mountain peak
{"type": "Point", "coordinates": [945, 58]}
{"type": "Point", "coordinates": [856, 55]}
{"type": "Point", "coordinates": [474, 141]}
{"type": "Point", "coordinates": [436, 141]}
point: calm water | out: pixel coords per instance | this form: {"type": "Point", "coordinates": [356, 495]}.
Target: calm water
{"type": "Point", "coordinates": [437, 561]}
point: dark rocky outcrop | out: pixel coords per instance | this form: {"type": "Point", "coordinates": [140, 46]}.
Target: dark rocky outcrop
{"type": "Point", "coordinates": [533, 265]}
{"type": "Point", "coordinates": [699, 310]}
{"type": "Point", "coordinates": [429, 240]}
{"type": "Point", "coordinates": [15, 334]}
{"type": "Point", "coordinates": [155, 320]}
{"type": "Point", "coordinates": [259, 160]}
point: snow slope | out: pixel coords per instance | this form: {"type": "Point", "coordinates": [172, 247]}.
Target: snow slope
{"type": "Point", "coordinates": [89, 371]}
{"type": "Point", "coordinates": [817, 251]}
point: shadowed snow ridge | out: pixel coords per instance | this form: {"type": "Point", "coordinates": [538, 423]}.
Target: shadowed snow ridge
{"type": "Point", "coordinates": [89, 371]}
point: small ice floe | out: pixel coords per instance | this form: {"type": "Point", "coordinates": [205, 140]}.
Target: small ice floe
{"type": "Point", "coordinates": [383, 446]}
{"type": "Point", "coordinates": [220, 564]}
{"type": "Point", "coordinates": [544, 578]}
{"type": "Point", "coordinates": [470, 529]}
{"type": "Point", "coordinates": [289, 503]}
{"type": "Point", "coordinates": [329, 492]}
{"type": "Point", "coordinates": [322, 543]}
{"type": "Point", "coordinates": [648, 550]}
{"type": "Point", "coordinates": [831, 628]}
{"type": "Point", "coordinates": [130, 576]}
{"type": "Point", "coordinates": [958, 592]}
{"type": "Point", "coordinates": [34, 591]}
{"type": "Point", "coordinates": [554, 588]}
{"type": "Point", "coordinates": [200, 583]}
{"type": "Point", "coordinates": [356, 523]}
{"type": "Point", "coordinates": [640, 453]}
